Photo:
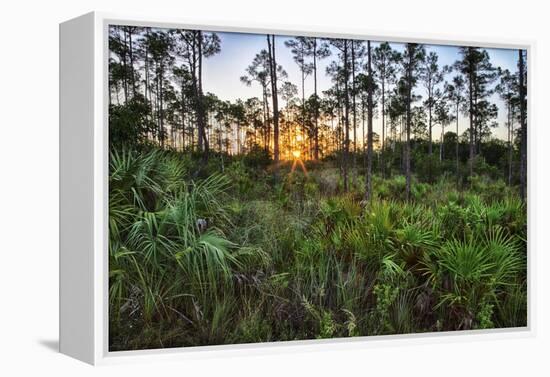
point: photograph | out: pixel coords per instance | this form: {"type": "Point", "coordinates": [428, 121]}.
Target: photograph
{"type": "Point", "coordinates": [274, 188]}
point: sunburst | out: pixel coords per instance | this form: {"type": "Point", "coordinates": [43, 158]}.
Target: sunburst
{"type": "Point", "coordinates": [298, 161]}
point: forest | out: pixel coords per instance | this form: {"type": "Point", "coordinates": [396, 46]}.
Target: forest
{"type": "Point", "coordinates": [325, 188]}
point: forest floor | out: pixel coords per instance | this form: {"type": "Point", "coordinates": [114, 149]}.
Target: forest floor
{"type": "Point", "coordinates": [253, 252]}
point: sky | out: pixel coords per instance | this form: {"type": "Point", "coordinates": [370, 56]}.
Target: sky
{"type": "Point", "coordinates": [222, 72]}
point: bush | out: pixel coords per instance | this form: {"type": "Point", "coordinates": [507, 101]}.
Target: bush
{"type": "Point", "coordinates": [257, 158]}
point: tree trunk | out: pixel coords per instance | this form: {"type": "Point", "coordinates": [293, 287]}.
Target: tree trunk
{"type": "Point", "coordinates": [198, 119]}
{"type": "Point", "coordinates": [264, 113]}
{"type": "Point", "coordinates": [146, 67]}
{"type": "Point", "coordinates": [267, 134]}
{"type": "Point", "coordinates": [125, 67]}
{"type": "Point", "coordinates": [316, 131]}
{"type": "Point", "coordinates": [273, 64]}
{"type": "Point", "coordinates": [368, 188]}
{"type": "Point", "coordinates": [442, 148]}
{"type": "Point", "coordinates": [303, 99]}
{"type": "Point", "coordinates": [457, 143]}
{"type": "Point", "coordinates": [339, 133]}
{"type": "Point", "coordinates": [407, 143]}
{"type": "Point", "coordinates": [346, 115]}
{"type": "Point", "coordinates": [430, 147]}
{"type": "Point", "coordinates": [131, 53]}
{"type": "Point", "coordinates": [383, 149]}
{"type": "Point", "coordinates": [161, 112]}
{"type": "Point", "coordinates": [477, 125]}
{"type": "Point", "coordinates": [510, 140]}
{"type": "Point", "coordinates": [201, 114]}
{"type": "Point", "coordinates": [182, 116]}
{"type": "Point", "coordinates": [354, 110]}
{"type": "Point", "coordinates": [238, 137]}
{"type": "Point", "coordinates": [472, 125]}
{"type": "Point", "coordinates": [523, 125]}
{"type": "Point", "coordinates": [363, 134]}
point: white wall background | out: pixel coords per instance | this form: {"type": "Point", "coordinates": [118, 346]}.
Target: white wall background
{"type": "Point", "coordinates": [29, 184]}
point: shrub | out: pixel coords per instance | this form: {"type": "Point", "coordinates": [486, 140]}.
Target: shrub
{"type": "Point", "coordinates": [257, 157]}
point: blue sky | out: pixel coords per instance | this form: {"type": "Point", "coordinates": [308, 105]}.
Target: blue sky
{"type": "Point", "coordinates": [222, 72]}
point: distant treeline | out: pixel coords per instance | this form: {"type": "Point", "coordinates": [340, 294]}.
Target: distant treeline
{"type": "Point", "coordinates": [156, 97]}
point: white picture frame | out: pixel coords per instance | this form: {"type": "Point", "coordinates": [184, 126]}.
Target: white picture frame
{"type": "Point", "coordinates": [84, 192]}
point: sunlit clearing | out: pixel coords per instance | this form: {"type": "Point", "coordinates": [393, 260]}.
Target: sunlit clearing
{"type": "Point", "coordinates": [296, 154]}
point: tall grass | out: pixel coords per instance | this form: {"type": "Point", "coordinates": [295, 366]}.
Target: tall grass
{"type": "Point", "coordinates": [250, 255]}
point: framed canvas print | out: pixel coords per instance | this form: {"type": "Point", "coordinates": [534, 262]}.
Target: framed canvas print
{"type": "Point", "coordinates": [227, 187]}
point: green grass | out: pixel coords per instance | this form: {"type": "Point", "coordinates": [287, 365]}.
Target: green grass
{"type": "Point", "coordinates": [254, 255]}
